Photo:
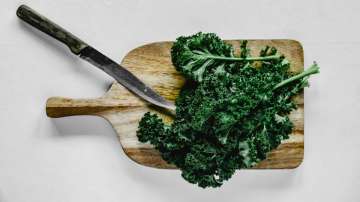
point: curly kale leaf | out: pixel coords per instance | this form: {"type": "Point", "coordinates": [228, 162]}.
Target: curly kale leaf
{"type": "Point", "coordinates": [231, 112]}
{"type": "Point", "coordinates": [151, 129]}
{"type": "Point", "coordinates": [205, 53]}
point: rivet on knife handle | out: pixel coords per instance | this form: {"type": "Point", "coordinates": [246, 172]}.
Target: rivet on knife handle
{"type": "Point", "coordinates": [45, 25]}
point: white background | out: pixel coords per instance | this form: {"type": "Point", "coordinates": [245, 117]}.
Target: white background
{"type": "Point", "coordinates": [79, 158]}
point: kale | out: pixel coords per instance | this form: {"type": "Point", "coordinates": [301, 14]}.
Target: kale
{"type": "Point", "coordinates": [204, 54]}
{"type": "Point", "coordinates": [230, 113]}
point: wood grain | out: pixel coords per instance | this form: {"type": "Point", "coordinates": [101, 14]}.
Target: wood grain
{"type": "Point", "coordinates": [152, 64]}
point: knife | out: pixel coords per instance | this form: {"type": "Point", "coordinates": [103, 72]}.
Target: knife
{"type": "Point", "coordinates": [93, 56]}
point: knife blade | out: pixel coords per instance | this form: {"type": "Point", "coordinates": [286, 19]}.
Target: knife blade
{"type": "Point", "coordinates": [93, 56]}
{"type": "Point", "coordinates": [124, 77]}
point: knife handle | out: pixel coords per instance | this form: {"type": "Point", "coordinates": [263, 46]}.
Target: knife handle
{"type": "Point", "coordinates": [47, 26]}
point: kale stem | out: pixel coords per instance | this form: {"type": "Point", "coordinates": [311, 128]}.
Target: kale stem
{"type": "Point", "coordinates": [313, 69]}
{"type": "Point", "coordinates": [243, 59]}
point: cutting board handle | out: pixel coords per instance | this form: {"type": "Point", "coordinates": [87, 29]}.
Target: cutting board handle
{"type": "Point", "coordinates": [57, 107]}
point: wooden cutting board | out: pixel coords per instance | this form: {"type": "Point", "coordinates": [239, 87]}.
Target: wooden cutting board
{"type": "Point", "coordinates": [152, 64]}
